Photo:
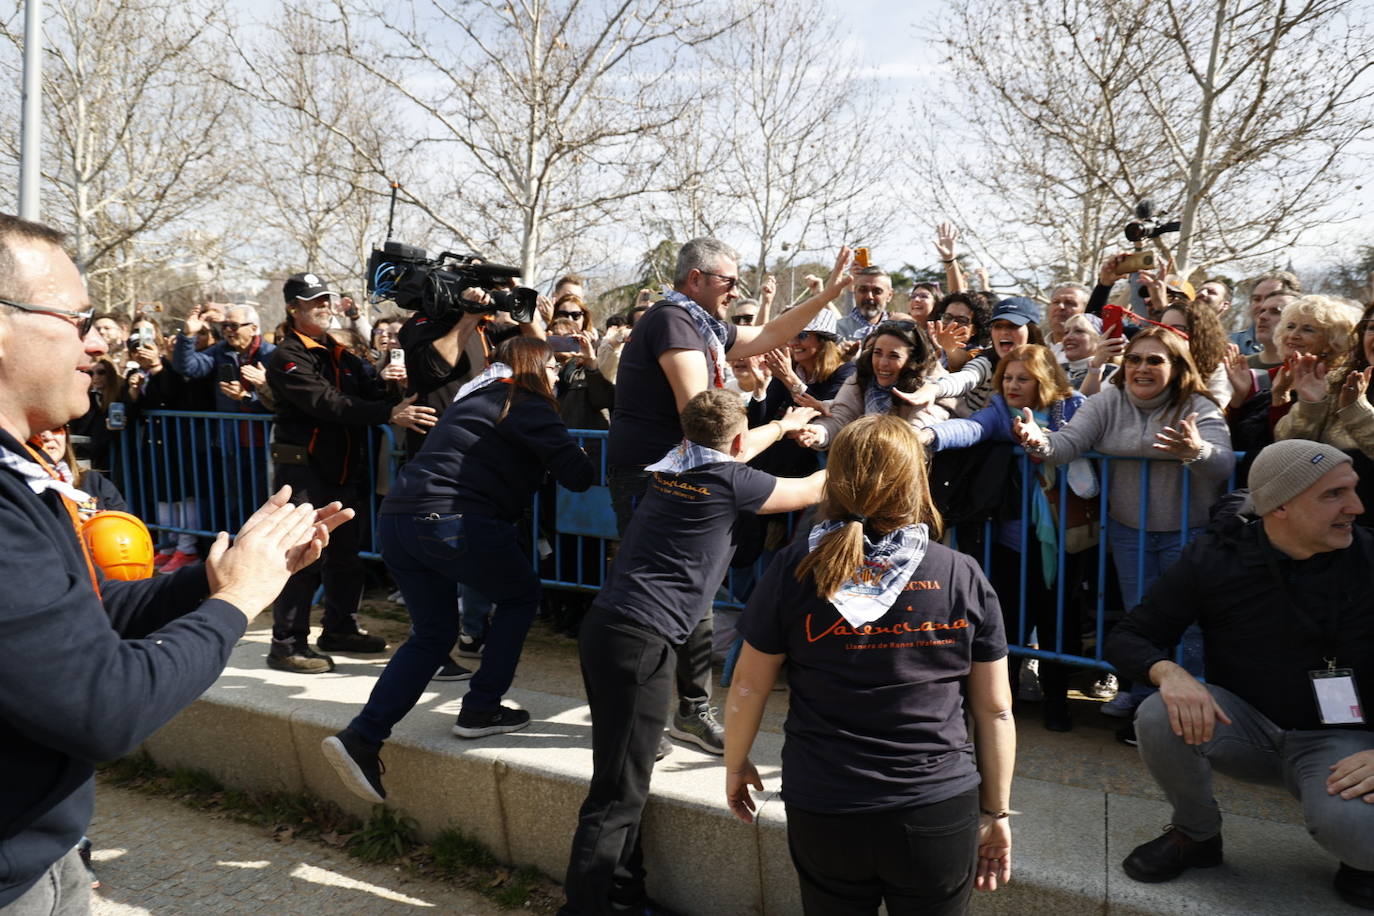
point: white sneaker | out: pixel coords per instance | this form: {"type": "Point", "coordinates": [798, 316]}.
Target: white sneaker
{"type": "Point", "coordinates": [1104, 688]}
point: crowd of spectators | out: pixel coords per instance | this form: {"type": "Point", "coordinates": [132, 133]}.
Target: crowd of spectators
{"type": "Point", "coordinates": [1182, 408]}
{"type": "Point", "coordinates": [1299, 370]}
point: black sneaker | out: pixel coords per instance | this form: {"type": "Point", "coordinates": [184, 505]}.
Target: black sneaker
{"type": "Point", "coordinates": [1126, 735]}
{"type": "Point", "coordinates": [1170, 855]}
{"type": "Point", "coordinates": [700, 728]}
{"type": "Point", "coordinates": [451, 671]}
{"type": "Point", "coordinates": [498, 721]}
{"type": "Point", "coordinates": [358, 764]}
{"type": "Point", "coordinates": [665, 747]}
{"type": "Point", "coordinates": [471, 646]}
{"type": "Point", "coordinates": [358, 642]}
{"type": "Point", "coordinates": [1355, 886]}
{"type": "Point", "coordinates": [298, 658]}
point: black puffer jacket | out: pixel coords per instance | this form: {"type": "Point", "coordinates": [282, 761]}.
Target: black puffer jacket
{"type": "Point", "coordinates": [1254, 642]}
{"type": "Point", "coordinates": [325, 400]}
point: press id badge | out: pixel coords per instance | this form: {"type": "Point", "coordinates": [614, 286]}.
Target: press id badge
{"type": "Point", "coordinates": [1337, 700]}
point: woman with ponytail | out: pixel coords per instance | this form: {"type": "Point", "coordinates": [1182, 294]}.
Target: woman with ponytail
{"type": "Point", "coordinates": [890, 637]}
{"type": "Point", "coordinates": [450, 520]}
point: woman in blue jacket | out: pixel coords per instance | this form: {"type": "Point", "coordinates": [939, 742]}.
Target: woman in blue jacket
{"type": "Point", "coordinates": [1029, 377]}
{"type": "Point", "coordinates": [451, 519]}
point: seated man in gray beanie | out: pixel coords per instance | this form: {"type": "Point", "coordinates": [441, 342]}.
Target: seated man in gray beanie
{"type": "Point", "coordinates": [1287, 618]}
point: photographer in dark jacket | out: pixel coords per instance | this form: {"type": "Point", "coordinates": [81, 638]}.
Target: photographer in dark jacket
{"type": "Point", "coordinates": [1287, 618]}
{"type": "Point", "coordinates": [325, 402]}
{"type": "Point", "coordinates": [451, 519]}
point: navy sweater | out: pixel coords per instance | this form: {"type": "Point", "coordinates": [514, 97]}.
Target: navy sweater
{"type": "Point", "coordinates": [83, 679]}
{"type": "Point", "coordinates": [471, 463]}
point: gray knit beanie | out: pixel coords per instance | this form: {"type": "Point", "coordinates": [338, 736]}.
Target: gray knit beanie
{"type": "Point", "coordinates": [1286, 468]}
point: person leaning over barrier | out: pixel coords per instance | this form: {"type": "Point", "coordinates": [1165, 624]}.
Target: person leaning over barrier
{"type": "Point", "coordinates": [671, 560]}
{"type": "Point", "coordinates": [1285, 608]}
{"type": "Point", "coordinates": [891, 638]}
{"type": "Point", "coordinates": [90, 667]}
{"type": "Point", "coordinates": [1157, 407]}
{"type": "Point", "coordinates": [681, 346]}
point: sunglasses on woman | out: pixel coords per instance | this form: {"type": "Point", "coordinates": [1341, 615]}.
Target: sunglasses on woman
{"type": "Point", "coordinates": [1153, 359]}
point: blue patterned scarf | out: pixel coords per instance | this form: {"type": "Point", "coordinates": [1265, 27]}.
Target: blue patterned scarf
{"type": "Point", "coordinates": [888, 565]}
{"type": "Point", "coordinates": [685, 456]}
{"type": "Point", "coordinates": [877, 398]}
{"type": "Point", "coordinates": [713, 334]}
{"type": "Point", "coordinates": [493, 373]}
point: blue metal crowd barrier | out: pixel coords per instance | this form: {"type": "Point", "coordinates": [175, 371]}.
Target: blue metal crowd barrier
{"type": "Point", "coordinates": [219, 463]}
{"type": "Point", "coordinates": [200, 472]}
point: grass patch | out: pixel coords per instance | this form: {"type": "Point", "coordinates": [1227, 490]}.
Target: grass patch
{"type": "Point", "coordinates": [453, 852]}
{"type": "Point", "coordinates": [387, 837]}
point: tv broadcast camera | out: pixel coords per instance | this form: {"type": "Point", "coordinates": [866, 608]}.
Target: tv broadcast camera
{"type": "Point", "coordinates": [406, 275]}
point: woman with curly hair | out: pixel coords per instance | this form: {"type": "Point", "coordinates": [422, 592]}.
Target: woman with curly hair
{"type": "Point", "coordinates": [1206, 342]}
{"type": "Point", "coordinates": [1320, 327]}
{"type": "Point", "coordinates": [898, 358]}
{"type": "Point", "coordinates": [1334, 406]}
{"type": "Point", "coordinates": [965, 310]}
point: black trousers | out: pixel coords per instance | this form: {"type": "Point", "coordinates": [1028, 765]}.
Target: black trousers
{"type": "Point", "coordinates": [693, 674]}
{"type": "Point", "coordinates": [626, 671]}
{"type": "Point", "coordinates": [915, 860]}
{"type": "Point", "coordinates": [1041, 611]}
{"type": "Point", "coordinates": [339, 569]}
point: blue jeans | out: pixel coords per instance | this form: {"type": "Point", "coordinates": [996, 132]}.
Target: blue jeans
{"type": "Point", "coordinates": [429, 557]}
{"type": "Point", "coordinates": [1161, 550]}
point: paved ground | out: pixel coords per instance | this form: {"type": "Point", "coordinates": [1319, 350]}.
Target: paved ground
{"type": "Point", "coordinates": [156, 856]}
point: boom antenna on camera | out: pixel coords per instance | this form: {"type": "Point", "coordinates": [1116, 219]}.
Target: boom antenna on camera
{"type": "Point", "coordinates": [391, 214]}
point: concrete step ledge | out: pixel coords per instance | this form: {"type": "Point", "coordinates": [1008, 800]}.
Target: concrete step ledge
{"type": "Point", "coordinates": [260, 729]}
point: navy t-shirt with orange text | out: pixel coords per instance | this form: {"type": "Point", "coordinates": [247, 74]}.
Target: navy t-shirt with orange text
{"type": "Point", "coordinates": [876, 713]}
{"type": "Point", "coordinates": [681, 536]}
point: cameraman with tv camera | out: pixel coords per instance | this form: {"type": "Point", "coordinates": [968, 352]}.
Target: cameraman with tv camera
{"type": "Point", "coordinates": [447, 343]}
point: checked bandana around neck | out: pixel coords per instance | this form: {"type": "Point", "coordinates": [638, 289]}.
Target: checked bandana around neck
{"type": "Point", "coordinates": [889, 564]}
{"type": "Point", "coordinates": [713, 333]}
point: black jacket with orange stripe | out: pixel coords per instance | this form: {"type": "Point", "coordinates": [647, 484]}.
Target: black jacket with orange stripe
{"type": "Point", "coordinates": [325, 402]}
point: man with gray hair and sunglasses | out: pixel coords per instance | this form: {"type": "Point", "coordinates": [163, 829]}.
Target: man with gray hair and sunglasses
{"type": "Point", "coordinates": [680, 347]}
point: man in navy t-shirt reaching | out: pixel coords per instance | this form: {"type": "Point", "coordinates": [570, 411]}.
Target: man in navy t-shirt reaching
{"type": "Point", "coordinates": [671, 560]}
{"type": "Point", "coordinates": [681, 346]}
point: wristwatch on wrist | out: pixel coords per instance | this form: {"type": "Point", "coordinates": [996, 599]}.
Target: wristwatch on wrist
{"type": "Point", "coordinates": [996, 815]}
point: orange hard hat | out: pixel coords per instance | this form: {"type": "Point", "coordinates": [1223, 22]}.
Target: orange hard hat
{"type": "Point", "coordinates": [119, 543]}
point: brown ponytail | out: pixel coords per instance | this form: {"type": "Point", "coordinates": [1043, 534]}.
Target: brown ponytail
{"type": "Point", "coordinates": [876, 479]}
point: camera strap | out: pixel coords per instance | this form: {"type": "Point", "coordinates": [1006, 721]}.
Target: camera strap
{"type": "Point", "coordinates": [46, 477]}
